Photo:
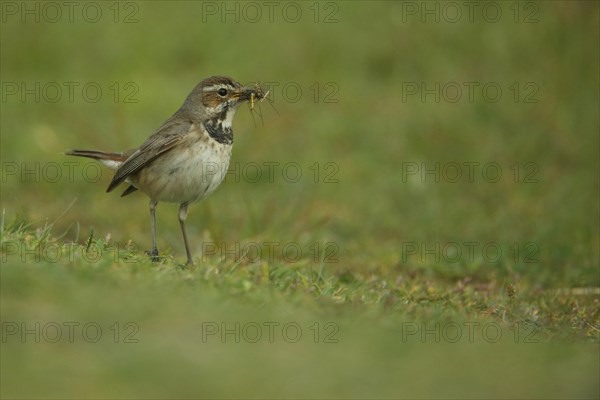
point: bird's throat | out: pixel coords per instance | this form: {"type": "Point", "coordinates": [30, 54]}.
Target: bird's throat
{"type": "Point", "coordinates": [220, 129]}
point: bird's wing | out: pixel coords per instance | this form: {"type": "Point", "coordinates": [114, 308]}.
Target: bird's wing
{"type": "Point", "coordinates": [161, 141]}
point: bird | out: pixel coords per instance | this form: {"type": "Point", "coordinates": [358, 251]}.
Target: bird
{"type": "Point", "coordinates": [187, 157]}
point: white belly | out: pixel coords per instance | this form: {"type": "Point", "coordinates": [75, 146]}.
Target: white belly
{"type": "Point", "coordinates": [186, 174]}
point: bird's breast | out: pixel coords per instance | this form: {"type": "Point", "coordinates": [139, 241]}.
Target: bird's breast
{"type": "Point", "coordinates": [187, 173]}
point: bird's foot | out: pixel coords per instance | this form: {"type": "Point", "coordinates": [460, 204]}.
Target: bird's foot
{"type": "Point", "coordinates": [153, 255]}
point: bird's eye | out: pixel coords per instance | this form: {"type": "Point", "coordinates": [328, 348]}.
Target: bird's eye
{"type": "Point", "coordinates": [222, 92]}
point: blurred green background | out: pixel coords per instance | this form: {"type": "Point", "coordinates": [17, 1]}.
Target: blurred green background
{"type": "Point", "coordinates": [364, 93]}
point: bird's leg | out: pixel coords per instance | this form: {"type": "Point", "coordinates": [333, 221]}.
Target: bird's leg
{"type": "Point", "coordinates": [182, 216]}
{"type": "Point", "coordinates": [154, 252]}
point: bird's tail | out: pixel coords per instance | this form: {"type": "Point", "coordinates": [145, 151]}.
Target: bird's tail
{"type": "Point", "coordinates": [111, 160]}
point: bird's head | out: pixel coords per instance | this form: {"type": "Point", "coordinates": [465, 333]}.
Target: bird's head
{"type": "Point", "coordinates": [217, 98]}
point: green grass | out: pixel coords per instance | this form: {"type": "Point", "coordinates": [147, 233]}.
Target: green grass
{"type": "Point", "coordinates": [378, 303]}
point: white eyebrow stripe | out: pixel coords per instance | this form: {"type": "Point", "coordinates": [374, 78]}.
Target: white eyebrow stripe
{"type": "Point", "coordinates": [216, 87]}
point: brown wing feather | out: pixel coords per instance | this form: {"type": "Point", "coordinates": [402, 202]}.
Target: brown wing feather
{"type": "Point", "coordinates": [161, 141]}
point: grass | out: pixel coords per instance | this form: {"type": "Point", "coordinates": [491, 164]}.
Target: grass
{"type": "Point", "coordinates": [372, 325]}
{"type": "Point", "coordinates": [361, 278]}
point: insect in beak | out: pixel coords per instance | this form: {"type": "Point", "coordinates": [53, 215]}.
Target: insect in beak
{"type": "Point", "coordinates": [255, 95]}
